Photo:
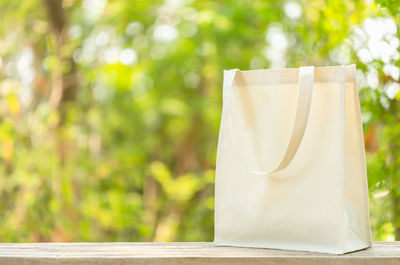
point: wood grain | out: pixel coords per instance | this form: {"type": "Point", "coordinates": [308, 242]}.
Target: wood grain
{"type": "Point", "coordinates": [381, 253]}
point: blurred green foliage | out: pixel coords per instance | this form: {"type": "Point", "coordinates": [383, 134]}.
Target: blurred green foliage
{"type": "Point", "coordinates": [110, 110]}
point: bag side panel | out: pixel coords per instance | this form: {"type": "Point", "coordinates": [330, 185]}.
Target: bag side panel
{"type": "Point", "coordinates": [356, 187]}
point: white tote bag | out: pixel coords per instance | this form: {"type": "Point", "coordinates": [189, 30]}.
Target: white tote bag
{"type": "Point", "coordinates": [290, 168]}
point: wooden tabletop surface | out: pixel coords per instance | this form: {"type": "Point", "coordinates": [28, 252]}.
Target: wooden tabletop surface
{"type": "Point", "coordinates": [183, 253]}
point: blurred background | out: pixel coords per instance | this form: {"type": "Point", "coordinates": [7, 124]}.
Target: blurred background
{"type": "Point", "coordinates": [110, 110]}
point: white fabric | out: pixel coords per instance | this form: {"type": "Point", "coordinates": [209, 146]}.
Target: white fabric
{"type": "Point", "coordinates": [291, 162]}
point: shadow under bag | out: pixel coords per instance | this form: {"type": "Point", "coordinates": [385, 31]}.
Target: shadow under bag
{"type": "Point", "coordinates": [291, 161]}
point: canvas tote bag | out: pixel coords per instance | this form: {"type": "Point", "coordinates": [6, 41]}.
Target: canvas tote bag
{"type": "Point", "coordinates": [290, 168]}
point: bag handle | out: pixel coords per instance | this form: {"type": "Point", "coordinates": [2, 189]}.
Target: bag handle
{"type": "Point", "coordinates": [306, 83]}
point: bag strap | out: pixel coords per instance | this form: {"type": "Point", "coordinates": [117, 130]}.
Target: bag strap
{"type": "Point", "coordinates": [306, 83]}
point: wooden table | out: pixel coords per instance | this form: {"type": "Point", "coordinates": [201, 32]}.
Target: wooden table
{"type": "Point", "coordinates": [381, 253]}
